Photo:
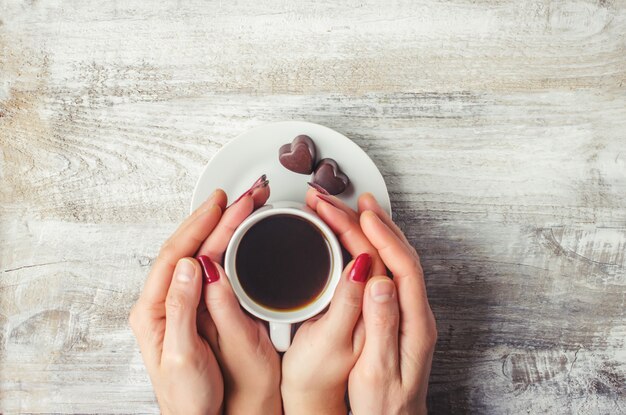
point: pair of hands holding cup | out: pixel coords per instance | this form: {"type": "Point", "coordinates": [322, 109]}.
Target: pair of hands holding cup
{"type": "Point", "coordinates": [205, 355]}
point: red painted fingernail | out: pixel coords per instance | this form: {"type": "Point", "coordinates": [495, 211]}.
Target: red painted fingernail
{"type": "Point", "coordinates": [317, 187]}
{"type": "Point", "coordinates": [260, 180]}
{"type": "Point", "coordinates": [361, 268]}
{"type": "Point", "coordinates": [328, 199]}
{"type": "Point", "coordinates": [209, 270]}
{"type": "Point", "coordinates": [259, 183]}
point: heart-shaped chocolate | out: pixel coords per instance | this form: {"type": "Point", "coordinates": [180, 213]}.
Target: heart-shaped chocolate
{"type": "Point", "coordinates": [299, 155]}
{"type": "Point", "coordinates": [329, 176]}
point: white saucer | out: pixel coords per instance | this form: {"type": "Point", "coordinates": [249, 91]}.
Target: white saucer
{"type": "Point", "coordinates": [239, 163]}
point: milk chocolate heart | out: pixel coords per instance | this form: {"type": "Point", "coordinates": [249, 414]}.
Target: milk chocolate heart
{"type": "Point", "coordinates": [299, 155]}
{"type": "Point", "coordinates": [329, 176]}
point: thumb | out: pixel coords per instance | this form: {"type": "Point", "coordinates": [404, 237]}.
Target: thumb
{"type": "Point", "coordinates": [228, 317]}
{"type": "Point", "coordinates": [345, 307]}
{"type": "Point", "coordinates": [382, 319]}
{"type": "Point", "coordinates": [181, 304]}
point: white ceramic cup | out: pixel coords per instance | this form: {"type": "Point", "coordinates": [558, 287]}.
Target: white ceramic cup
{"type": "Point", "coordinates": [281, 321]}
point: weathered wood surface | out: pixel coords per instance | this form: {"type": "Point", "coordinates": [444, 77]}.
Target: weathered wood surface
{"type": "Point", "coordinates": [500, 128]}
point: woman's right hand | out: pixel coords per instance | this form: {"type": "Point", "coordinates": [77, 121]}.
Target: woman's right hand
{"type": "Point", "coordinates": [391, 375]}
{"type": "Point", "coordinates": [250, 365]}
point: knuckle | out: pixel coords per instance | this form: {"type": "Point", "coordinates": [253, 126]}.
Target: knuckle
{"type": "Point", "coordinates": [177, 360]}
{"type": "Point", "coordinates": [373, 375]}
{"type": "Point", "coordinates": [385, 320]}
{"type": "Point", "coordinates": [166, 249]}
{"type": "Point", "coordinates": [175, 303]}
{"type": "Point", "coordinates": [352, 301]}
{"type": "Point", "coordinates": [416, 267]}
{"type": "Point", "coordinates": [133, 317]}
{"type": "Point", "coordinates": [431, 333]}
{"type": "Point", "coordinates": [412, 388]}
{"type": "Point", "coordinates": [434, 335]}
{"type": "Point", "coordinates": [218, 303]}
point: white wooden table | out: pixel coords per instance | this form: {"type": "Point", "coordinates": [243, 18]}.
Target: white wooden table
{"type": "Point", "coordinates": [500, 127]}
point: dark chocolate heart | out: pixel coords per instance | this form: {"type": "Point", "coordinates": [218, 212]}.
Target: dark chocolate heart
{"type": "Point", "coordinates": [299, 155]}
{"type": "Point", "coordinates": [329, 176]}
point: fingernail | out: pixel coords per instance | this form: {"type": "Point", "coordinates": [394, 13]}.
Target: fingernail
{"type": "Point", "coordinates": [184, 271]}
{"type": "Point", "coordinates": [382, 291]}
{"type": "Point", "coordinates": [260, 182]}
{"type": "Point", "coordinates": [361, 268]}
{"type": "Point", "coordinates": [317, 187]}
{"type": "Point", "coordinates": [209, 270]}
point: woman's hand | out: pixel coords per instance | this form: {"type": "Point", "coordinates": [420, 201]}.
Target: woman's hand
{"type": "Point", "coordinates": [344, 222]}
{"type": "Point", "coordinates": [317, 364]}
{"type": "Point", "coordinates": [324, 349]}
{"type": "Point", "coordinates": [391, 375]}
{"type": "Point", "coordinates": [249, 362]}
{"type": "Point", "coordinates": [182, 364]}
{"type": "Point", "coordinates": [182, 367]}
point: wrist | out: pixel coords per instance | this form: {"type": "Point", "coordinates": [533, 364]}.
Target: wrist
{"type": "Point", "coordinates": [305, 403]}
{"type": "Point", "coordinates": [270, 404]}
{"type": "Point", "coordinates": [168, 411]}
{"type": "Point", "coordinates": [302, 408]}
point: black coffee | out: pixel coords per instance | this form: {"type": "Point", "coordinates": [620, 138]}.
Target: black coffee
{"type": "Point", "coordinates": [283, 262]}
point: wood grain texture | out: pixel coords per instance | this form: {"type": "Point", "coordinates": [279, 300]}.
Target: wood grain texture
{"type": "Point", "coordinates": [499, 127]}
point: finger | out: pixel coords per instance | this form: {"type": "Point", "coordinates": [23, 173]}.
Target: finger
{"type": "Point", "coordinates": [381, 318]}
{"type": "Point", "coordinates": [349, 233]}
{"type": "Point", "coordinates": [313, 197]}
{"type": "Point", "coordinates": [148, 331]}
{"type": "Point", "coordinates": [215, 246]}
{"type": "Point", "coordinates": [315, 318]}
{"type": "Point", "coordinates": [258, 183]}
{"type": "Point", "coordinates": [183, 245]}
{"type": "Point", "coordinates": [407, 274]}
{"type": "Point", "coordinates": [206, 327]}
{"type": "Point", "coordinates": [367, 201]}
{"type": "Point", "coordinates": [218, 197]}
{"type": "Point", "coordinates": [396, 255]}
{"type": "Point", "coordinates": [345, 307]}
{"type": "Point", "coordinates": [181, 304]}
{"type": "Point", "coordinates": [260, 196]}
{"type": "Point", "coordinates": [358, 337]}
{"type": "Point", "coordinates": [228, 317]}
{"type": "Point", "coordinates": [218, 240]}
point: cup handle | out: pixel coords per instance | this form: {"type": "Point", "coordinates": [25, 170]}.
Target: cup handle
{"type": "Point", "coordinates": [280, 333]}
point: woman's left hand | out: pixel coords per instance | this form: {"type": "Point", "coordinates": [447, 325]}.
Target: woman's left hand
{"type": "Point", "coordinates": [324, 350]}
{"type": "Point", "coordinates": [317, 364]}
